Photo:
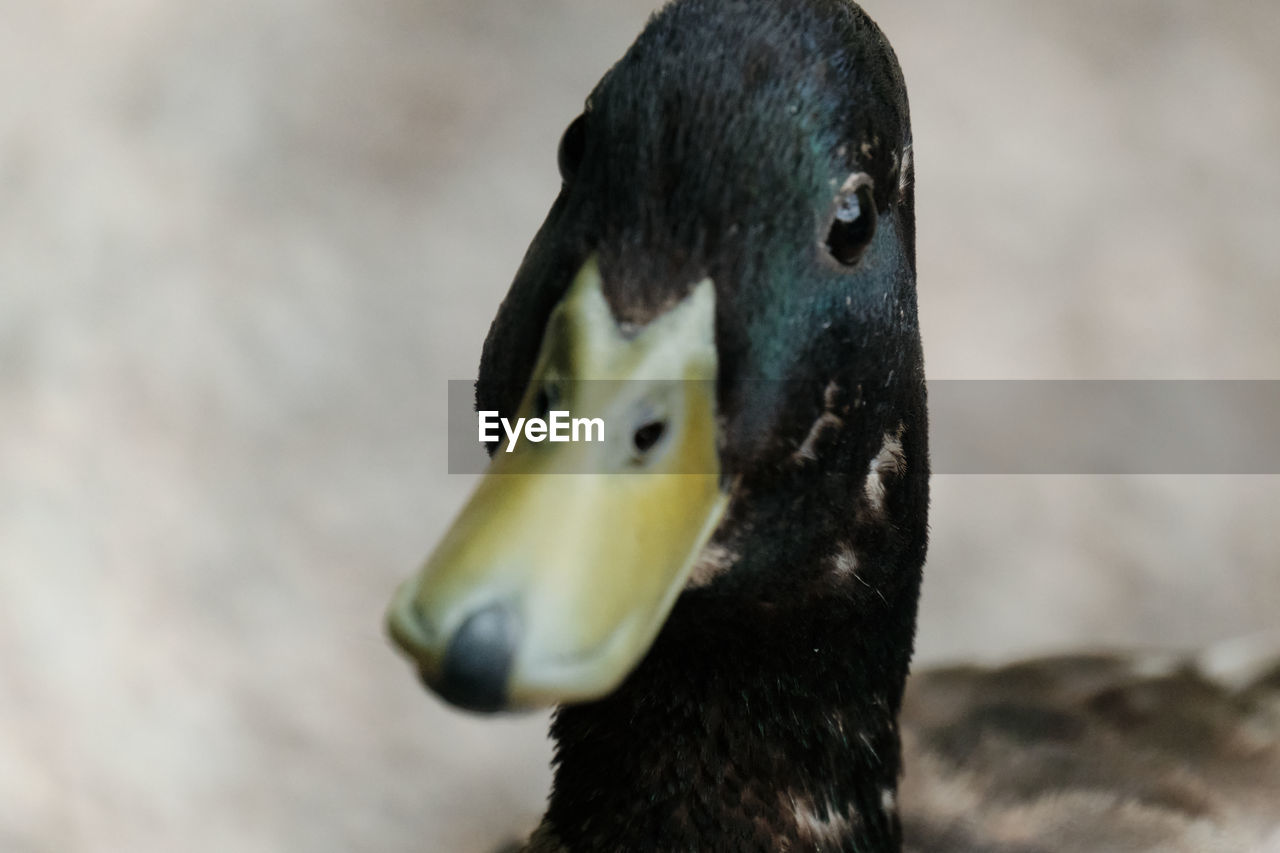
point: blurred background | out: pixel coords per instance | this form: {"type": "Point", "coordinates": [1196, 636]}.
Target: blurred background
{"type": "Point", "coordinates": [243, 245]}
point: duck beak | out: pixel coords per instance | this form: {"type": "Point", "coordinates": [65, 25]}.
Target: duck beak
{"type": "Point", "coordinates": [557, 575]}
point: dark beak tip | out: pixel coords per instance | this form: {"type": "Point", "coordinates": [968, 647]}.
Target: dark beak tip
{"type": "Point", "coordinates": [478, 661]}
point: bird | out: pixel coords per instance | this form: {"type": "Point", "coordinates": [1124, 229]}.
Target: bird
{"type": "Point", "coordinates": [720, 595]}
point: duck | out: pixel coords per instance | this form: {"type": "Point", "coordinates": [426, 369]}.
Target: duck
{"type": "Point", "coordinates": [719, 596]}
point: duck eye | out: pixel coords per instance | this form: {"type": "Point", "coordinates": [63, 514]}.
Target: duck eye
{"type": "Point", "coordinates": [854, 223]}
{"type": "Point", "coordinates": [572, 145]}
{"type": "Point", "coordinates": [648, 435]}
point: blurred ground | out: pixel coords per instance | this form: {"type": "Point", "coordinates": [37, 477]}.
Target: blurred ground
{"type": "Point", "coordinates": [244, 244]}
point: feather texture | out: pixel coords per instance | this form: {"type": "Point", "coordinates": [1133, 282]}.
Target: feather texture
{"type": "Point", "coordinates": [1091, 753]}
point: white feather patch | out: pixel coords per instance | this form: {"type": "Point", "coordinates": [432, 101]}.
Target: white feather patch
{"type": "Point", "coordinates": [844, 561]}
{"type": "Point", "coordinates": [832, 829]}
{"type": "Point", "coordinates": [889, 462]}
{"type": "Point", "coordinates": [828, 420]}
{"type": "Point", "coordinates": [714, 561]}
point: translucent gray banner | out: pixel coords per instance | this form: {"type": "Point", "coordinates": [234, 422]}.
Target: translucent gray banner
{"type": "Point", "coordinates": [1050, 427]}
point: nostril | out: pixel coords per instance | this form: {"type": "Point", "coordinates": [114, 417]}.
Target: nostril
{"type": "Point", "coordinates": [478, 660]}
{"type": "Point", "coordinates": [648, 435]}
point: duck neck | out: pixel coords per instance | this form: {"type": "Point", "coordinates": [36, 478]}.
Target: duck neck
{"type": "Point", "coordinates": [747, 728]}
{"type": "Point", "coordinates": [764, 717]}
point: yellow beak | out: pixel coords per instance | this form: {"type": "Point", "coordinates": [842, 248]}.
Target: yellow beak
{"type": "Point", "coordinates": [562, 567]}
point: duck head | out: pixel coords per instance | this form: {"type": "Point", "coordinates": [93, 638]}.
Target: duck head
{"type": "Point", "coordinates": [727, 281]}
